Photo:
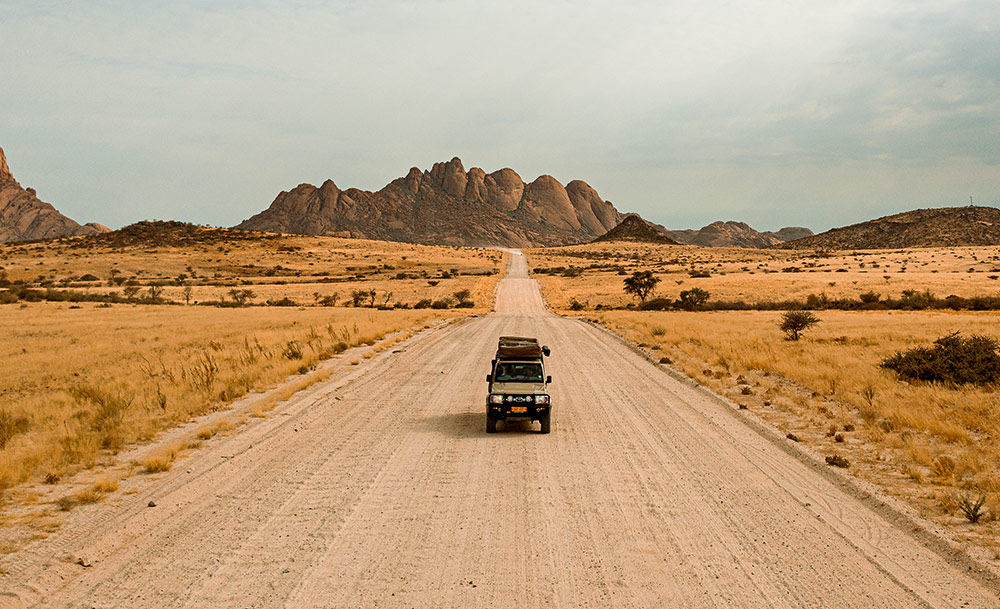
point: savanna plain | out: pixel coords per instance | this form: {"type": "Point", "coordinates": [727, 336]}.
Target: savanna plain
{"type": "Point", "coordinates": [932, 444]}
{"type": "Point", "coordinates": [109, 342]}
{"type": "Point", "coordinates": [124, 353]}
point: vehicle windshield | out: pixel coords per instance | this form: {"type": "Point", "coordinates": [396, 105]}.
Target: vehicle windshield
{"type": "Point", "coordinates": [512, 372]}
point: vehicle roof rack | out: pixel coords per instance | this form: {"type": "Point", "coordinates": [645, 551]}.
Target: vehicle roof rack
{"type": "Point", "coordinates": [520, 346]}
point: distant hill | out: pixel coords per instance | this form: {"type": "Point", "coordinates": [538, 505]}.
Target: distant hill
{"type": "Point", "coordinates": [25, 217]}
{"type": "Point", "coordinates": [446, 205]}
{"type": "Point", "coordinates": [633, 228]}
{"type": "Point", "coordinates": [736, 234]}
{"type": "Point", "coordinates": [940, 227]}
{"type": "Point", "coordinates": [160, 233]}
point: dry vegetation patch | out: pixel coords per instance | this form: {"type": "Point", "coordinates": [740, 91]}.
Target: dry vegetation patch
{"type": "Point", "coordinates": [592, 275]}
{"type": "Point", "coordinates": [160, 262]}
{"type": "Point", "coordinates": [933, 444]}
{"type": "Point", "coordinates": [82, 383]}
{"type": "Point", "coordinates": [82, 380]}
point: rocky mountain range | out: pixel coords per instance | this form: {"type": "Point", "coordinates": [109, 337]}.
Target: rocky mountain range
{"type": "Point", "coordinates": [717, 234]}
{"type": "Point", "coordinates": [939, 227]}
{"type": "Point", "coordinates": [25, 217]}
{"type": "Point", "coordinates": [446, 205]}
{"type": "Point", "coordinates": [736, 234]}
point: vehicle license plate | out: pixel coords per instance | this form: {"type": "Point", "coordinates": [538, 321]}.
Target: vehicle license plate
{"type": "Point", "coordinates": [519, 409]}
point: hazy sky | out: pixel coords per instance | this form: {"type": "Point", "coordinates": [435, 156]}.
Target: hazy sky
{"type": "Point", "coordinates": [773, 112]}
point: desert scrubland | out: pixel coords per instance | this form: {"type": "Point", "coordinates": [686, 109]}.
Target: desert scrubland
{"type": "Point", "coordinates": [91, 370]}
{"type": "Point", "coordinates": [592, 274]}
{"type": "Point", "coordinates": [932, 444]}
{"type": "Point", "coordinates": [88, 369]}
{"type": "Point", "coordinates": [380, 488]}
{"type": "Point", "coordinates": [195, 265]}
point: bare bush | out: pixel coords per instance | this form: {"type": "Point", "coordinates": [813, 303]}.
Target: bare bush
{"type": "Point", "coordinates": [793, 323]}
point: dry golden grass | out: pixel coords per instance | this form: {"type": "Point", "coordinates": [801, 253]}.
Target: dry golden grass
{"type": "Point", "coordinates": [106, 484]}
{"type": "Point", "coordinates": [213, 429]}
{"type": "Point", "coordinates": [306, 270]}
{"type": "Point", "coordinates": [927, 443]}
{"type": "Point", "coordinates": [839, 359]}
{"type": "Point", "coordinates": [162, 459]}
{"type": "Point", "coordinates": [755, 275]}
{"type": "Point", "coordinates": [126, 372]}
{"type": "Point", "coordinates": [79, 382]}
{"type": "Point", "coordinates": [905, 436]}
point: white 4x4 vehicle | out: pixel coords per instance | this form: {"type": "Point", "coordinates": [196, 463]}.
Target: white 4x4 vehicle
{"type": "Point", "coordinates": [518, 383]}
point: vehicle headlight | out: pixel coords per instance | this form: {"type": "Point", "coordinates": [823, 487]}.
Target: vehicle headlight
{"type": "Point", "coordinates": [496, 399]}
{"type": "Point", "coordinates": [541, 399]}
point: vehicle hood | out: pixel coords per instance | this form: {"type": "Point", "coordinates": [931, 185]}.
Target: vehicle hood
{"type": "Point", "coordinates": [519, 388]}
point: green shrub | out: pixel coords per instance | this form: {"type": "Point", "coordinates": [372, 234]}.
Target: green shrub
{"type": "Point", "coordinates": [953, 359]}
{"type": "Point", "coordinates": [656, 304]}
{"type": "Point", "coordinates": [692, 299]}
{"type": "Point", "coordinates": [640, 284]}
{"type": "Point", "coordinates": [912, 299]}
{"type": "Point", "coordinates": [870, 297]}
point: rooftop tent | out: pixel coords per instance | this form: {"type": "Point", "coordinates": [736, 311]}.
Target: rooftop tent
{"type": "Point", "coordinates": [519, 347]}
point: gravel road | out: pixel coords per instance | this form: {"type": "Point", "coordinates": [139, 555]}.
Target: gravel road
{"type": "Point", "coordinates": [381, 489]}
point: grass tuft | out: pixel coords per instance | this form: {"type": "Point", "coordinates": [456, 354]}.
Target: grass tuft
{"type": "Point", "coordinates": [972, 509]}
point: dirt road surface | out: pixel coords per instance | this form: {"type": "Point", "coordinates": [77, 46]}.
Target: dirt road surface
{"type": "Point", "coordinates": [381, 489]}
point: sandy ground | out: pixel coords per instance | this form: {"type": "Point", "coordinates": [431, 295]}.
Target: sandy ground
{"type": "Point", "coordinates": [381, 489]}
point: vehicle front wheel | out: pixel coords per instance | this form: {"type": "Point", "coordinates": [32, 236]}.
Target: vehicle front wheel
{"type": "Point", "coordinates": [546, 421]}
{"type": "Point", "coordinates": [491, 423]}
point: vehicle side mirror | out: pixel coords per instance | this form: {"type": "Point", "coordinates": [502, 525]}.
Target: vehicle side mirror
{"type": "Point", "coordinates": [489, 378]}
{"type": "Point", "coordinates": [548, 379]}
{"type": "Point", "coordinates": [546, 351]}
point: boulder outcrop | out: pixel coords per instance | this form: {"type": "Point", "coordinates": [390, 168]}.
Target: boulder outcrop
{"type": "Point", "coordinates": [446, 205]}
{"type": "Point", "coordinates": [25, 217]}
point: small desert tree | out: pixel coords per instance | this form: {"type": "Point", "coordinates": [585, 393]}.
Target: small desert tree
{"type": "Point", "coordinates": [329, 300]}
{"type": "Point", "coordinates": [242, 297]}
{"type": "Point", "coordinates": [155, 292]}
{"type": "Point", "coordinates": [640, 284]}
{"type": "Point", "coordinates": [188, 292]}
{"type": "Point", "coordinates": [692, 299]}
{"type": "Point", "coordinates": [793, 323]}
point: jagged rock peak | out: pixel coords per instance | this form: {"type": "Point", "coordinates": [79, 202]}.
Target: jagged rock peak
{"type": "Point", "coordinates": [5, 175]}
{"type": "Point", "coordinates": [447, 205]}
{"type": "Point", "coordinates": [734, 234]}
{"type": "Point", "coordinates": [24, 217]}
{"type": "Point", "coordinates": [634, 228]}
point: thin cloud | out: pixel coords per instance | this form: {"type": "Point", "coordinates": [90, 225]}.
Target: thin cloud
{"type": "Point", "coordinates": [685, 111]}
